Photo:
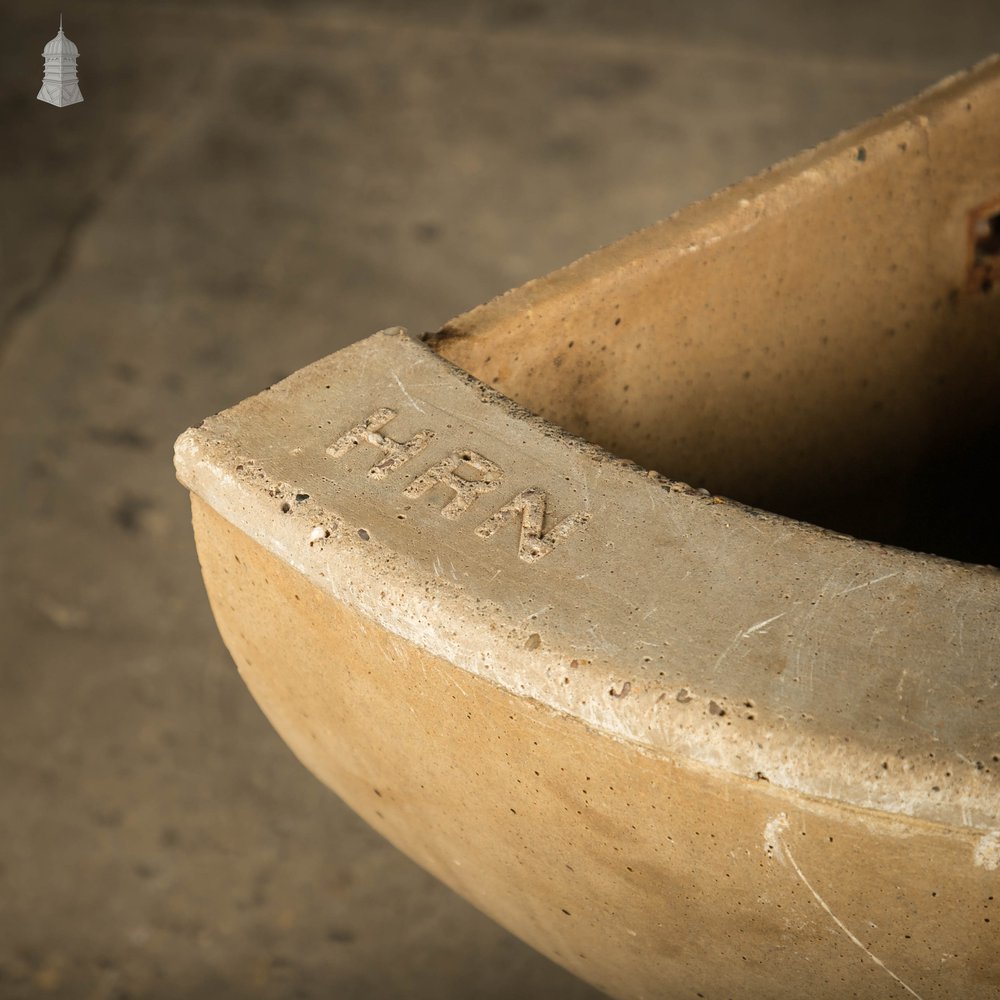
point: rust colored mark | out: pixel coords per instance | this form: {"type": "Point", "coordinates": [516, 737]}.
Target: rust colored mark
{"type": "Point", "coordinates": [984, 247]}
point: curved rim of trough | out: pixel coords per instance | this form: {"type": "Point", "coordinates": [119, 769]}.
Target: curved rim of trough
{"type": "Point", "coordinates": [686, 624]}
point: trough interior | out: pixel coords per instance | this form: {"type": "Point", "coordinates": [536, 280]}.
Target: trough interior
{"type": "Point", "coordinates": [822, 341]}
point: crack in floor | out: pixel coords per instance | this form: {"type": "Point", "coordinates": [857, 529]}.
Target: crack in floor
{"type": "Point", "coordinates": [62, 258]}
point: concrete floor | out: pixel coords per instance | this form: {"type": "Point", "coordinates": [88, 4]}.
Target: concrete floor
{"type": "Point", "coordinates": [246, 188]}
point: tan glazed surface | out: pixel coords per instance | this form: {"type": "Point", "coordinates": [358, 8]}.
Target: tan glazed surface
{"type": "Point", "coordinates": [682, 746]}
{"type": "Point", "coordinates": [639, 871]}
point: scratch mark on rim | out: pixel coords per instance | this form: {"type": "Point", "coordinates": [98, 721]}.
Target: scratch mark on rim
{"type": "Point", "coordinates": [763, 624]}
{"type": "Point", "coordinates": [867, 583]}
{"type": "Point", "coordinates": [743, 634]}
{"type": "Point", "coordinates": [402, 388]}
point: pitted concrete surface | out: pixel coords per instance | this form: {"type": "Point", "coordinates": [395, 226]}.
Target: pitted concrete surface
{"type": "Point", "coordinates": [581, 618]}
{"type": "Point", "coordinates": [244, 190]}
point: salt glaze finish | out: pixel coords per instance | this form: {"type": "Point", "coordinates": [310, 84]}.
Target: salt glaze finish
{"type": "Point", "coordinates": [682, 746]}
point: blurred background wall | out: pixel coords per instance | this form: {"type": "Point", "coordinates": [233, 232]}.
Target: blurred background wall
{"type": "Point", "coordinates": [247, 187]}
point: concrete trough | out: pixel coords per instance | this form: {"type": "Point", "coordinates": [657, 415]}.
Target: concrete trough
{"type": "Point", "coordinates": [681, 743]}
